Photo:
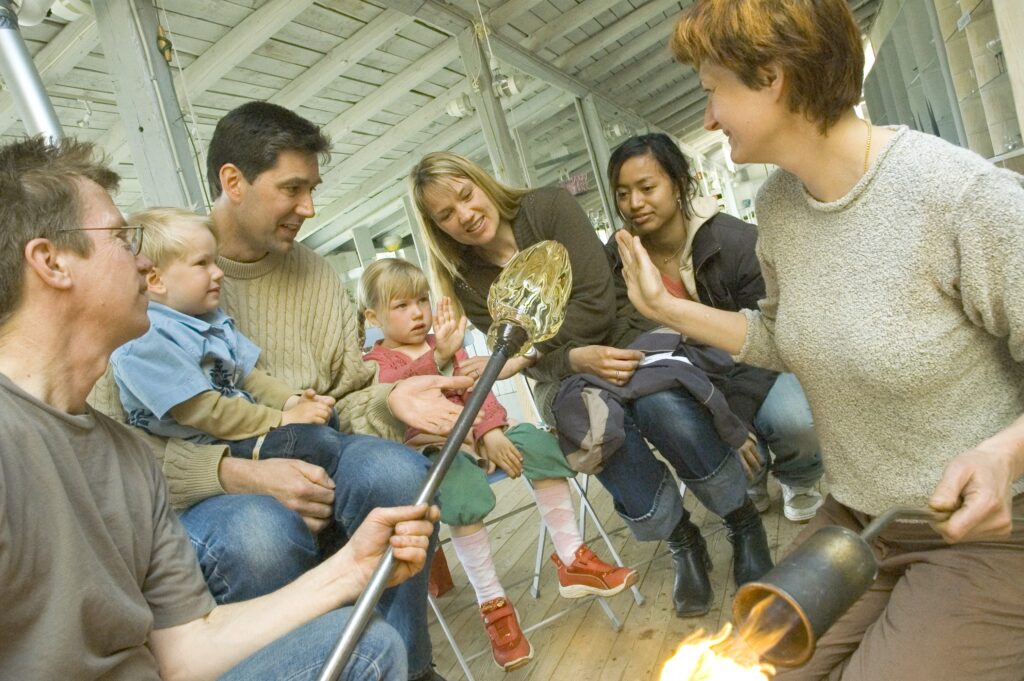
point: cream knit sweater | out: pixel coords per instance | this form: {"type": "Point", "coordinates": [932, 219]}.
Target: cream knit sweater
{"type": "Point", "coordinates": [900, 307]}
{"type": "Point", "coordinates": [295, 309]}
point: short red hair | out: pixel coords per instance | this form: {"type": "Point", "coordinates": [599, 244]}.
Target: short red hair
{"type": "Point", "coordinates": [816, 43]}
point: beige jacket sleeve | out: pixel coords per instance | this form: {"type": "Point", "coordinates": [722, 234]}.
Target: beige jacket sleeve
{"type": "Point", "coordinates": [268, 390]}
{"type": "Point", "coordinates": [226, 418]}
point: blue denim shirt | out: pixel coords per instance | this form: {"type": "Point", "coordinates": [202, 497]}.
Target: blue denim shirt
{"type": "Point", "coordinates": [180, 357]}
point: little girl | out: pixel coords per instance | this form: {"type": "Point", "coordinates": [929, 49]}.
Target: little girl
{"type": "Point", "coordinates": [394, 296]}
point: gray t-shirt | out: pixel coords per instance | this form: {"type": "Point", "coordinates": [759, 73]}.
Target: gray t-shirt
{"type": "Point", "coordinates": [91, 556]}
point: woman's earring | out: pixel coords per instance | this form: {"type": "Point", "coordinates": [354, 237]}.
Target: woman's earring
{"type": "Point", "coordinates": [679, 201]}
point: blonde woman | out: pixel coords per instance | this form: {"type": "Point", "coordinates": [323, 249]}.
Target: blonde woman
{"type": "Point", "coordinates": [473, 226]}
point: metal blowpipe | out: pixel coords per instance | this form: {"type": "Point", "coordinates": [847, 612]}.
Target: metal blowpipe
{"type": "Point", "coordinates": [527, 303]}
{"type": "Point", "coordinates": [784, 614]}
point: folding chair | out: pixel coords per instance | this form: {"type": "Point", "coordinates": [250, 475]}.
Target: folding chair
{"type": "Point", "coordinates": [585, 509]}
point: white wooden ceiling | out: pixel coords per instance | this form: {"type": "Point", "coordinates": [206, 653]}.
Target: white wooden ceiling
{"type": "Point", "coordinates": [379, 75]}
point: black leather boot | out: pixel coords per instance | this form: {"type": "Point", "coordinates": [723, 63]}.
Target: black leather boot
{"type": "Point", "coordinates": [751, 557]}
{"type": "Point", "coordinates": [691, 594]}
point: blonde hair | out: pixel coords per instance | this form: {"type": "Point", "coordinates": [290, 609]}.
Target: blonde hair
{"type": "Point", "coordinates": [816, 43]}
{"type": "Point", "coordinates": [386, 279]}
{"type": "Point", "coordinates": [164, 239]}
{"type": "Point", "coordinates": [448, 256]}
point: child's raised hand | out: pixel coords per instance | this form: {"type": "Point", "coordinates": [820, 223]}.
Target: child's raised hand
{"type": "Point", "coordinates": [307, 408]}
{"type": "Point", "coordinates": [449, 332]}
{"type": "Point", "coordinates": [497, 448]}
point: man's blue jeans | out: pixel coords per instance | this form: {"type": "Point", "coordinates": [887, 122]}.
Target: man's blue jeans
{"type": "Point", "coordinates": [300, 655]}
{"type": "Point", "coordinates": [250, 545]}
{"type": "Point", "coordinates": [784, 424]}
{"type": "Point", "coordinates": [643, 488]}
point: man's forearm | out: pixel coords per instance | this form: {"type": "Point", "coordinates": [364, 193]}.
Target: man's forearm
{"type": "Point", "coordinates": [240, 476]}
{"type": "Point", "coordinates": [210, 646]}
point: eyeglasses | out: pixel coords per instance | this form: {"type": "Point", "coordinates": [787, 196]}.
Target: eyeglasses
{"type": "Point", "coordinates": [129, 236]}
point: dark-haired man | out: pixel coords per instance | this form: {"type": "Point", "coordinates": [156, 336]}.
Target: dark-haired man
{"type": "Point", "coordinates": [97, 577]}
{"type": "Point", "coordinates": [262, 167]}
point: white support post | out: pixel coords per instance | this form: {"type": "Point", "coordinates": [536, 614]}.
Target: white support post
{"type": "Point", "coordinates": [364, 245]}
{"type": "Point", "coordinates": [500, 146]}
{"type": "Point", "coordinates": [419, 245]}
{"type": "Point", "coordinates": [597, 148]}
{"type": "Point", "coordinates": [149, 109]}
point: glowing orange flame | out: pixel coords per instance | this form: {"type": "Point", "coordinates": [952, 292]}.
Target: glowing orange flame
{"type": "Point", "coordinates": [722, 657]}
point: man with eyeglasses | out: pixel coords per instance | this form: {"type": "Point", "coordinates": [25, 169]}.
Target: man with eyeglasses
{"type": "Point", "coordinates": [97, 576]}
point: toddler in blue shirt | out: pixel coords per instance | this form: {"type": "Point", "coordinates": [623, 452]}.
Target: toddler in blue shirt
{"type": "Point", "coordinates": [193, 375]}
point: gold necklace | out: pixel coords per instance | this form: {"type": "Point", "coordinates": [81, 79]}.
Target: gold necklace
{"type": "Point", "coordinates": [666, 259]}
{"type": "Point", "coordinates": [867, 148]}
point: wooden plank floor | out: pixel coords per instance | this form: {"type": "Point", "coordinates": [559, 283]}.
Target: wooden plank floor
{"type": "Point", "coordinates": [581, 644]}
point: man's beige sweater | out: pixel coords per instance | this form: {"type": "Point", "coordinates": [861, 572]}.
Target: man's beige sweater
{"type": "Point", "coordinates": [900, 307]}
{"type": "Point", "coordinates": [295, 308]}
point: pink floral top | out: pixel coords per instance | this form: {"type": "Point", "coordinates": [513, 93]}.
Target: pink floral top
{"type": "Point", "coordinates": [394, 366]}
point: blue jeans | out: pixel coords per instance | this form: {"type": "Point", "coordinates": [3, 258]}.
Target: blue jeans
{"type": "Point", "coordinates": [784, 424]}
{"type": "Point", "coordinates": [301, 654]}
{"type": "Point", "coordinates": [642, 487]}
{"type": "Point", "coordinates": [250, 545]}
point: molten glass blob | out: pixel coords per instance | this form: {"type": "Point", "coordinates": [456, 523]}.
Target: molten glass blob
{"type": "Point", "coordinates": [531, 292]}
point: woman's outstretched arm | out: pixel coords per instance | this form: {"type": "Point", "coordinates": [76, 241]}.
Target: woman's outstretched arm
{"type": "Point", "coordinates": [720, 328]}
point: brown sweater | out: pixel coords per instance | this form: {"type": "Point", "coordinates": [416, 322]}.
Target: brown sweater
{"type": "Point", "coordinates": [593, 317]}
{"type": "Point", "coordinates": [296, 309]}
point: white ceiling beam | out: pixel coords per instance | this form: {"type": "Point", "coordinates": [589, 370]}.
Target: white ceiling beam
{"type": "Point", "coordinates": [441, 15]}
{"type": "Point", "coordinates": [394, 88]}
{"type": "Point", "coordinates": [639, 45]}
{"type": "Point", "coordinates": [357, 46]}
{"type": "Point", "coordinates": [450, 18]}
{"type": "Point", "coordinates": [658, 73]}
{"type": "Point", "coordinates": [222, 56]}
{"type": "Point", "coordinates": [568, 21]}
{"type": "Point", "coordinates": [617, 29]}
{"type": "Point", "coordinates": [679, 123]}
{"type": "Point", "coordinates": [623, 82]}
{"type": "Point", "coordinates": [395, 135]}
{"type": "Point", "coordinates": [55, 60]}
{"type": "Point", "coordinates": [241, 41]}
{"type": "Point", "coordinates": [671, 101]}
{"type": "Point", "coordinates": [509, 10]}
{"type": "Point", "coordinates": [686, 124]}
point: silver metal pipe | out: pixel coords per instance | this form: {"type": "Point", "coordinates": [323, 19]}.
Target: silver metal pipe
{"type": "Point", "coordinates": [507, 346]}
{"type": "Point", "coordinates": [22, 78]}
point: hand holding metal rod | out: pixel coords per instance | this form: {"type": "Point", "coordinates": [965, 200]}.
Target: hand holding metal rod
{"type": "Point", "coordinates": [527, 303]}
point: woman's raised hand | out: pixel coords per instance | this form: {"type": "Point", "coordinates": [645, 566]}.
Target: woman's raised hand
{"type": "Point", "coordinates": [449, 332]}
{"type": "Point", "coordinates": [646, 289]}
{"type": "Point", "coordinates": [615, 365]}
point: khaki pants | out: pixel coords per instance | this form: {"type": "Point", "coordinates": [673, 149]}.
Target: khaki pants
{"type": "Point", "coordinates": [936, 611]}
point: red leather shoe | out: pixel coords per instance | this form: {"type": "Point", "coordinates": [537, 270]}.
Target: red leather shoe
{"type": "Point", "coordinates": [588, 575]}
{"type": "Point", "coordinates": [510, 647]}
